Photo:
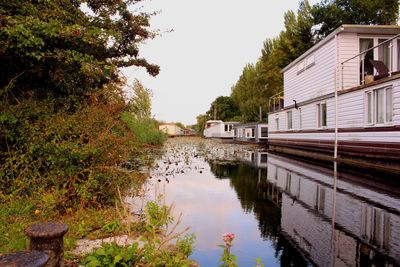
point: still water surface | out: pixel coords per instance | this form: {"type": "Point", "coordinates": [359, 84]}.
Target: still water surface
{"type": "Point", "coordinates": [286, 212]}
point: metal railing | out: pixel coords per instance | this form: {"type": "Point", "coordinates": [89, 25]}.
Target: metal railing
{"type": "Point", "coordinates": [275, 102]}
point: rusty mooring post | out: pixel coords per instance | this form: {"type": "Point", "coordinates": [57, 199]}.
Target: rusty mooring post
{"type": "Point", "coordinates": [48, 237]}
{"type": "Point", "coordinates": [32, 258]}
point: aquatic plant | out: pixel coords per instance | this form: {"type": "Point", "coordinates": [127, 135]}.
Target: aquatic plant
{"type": "Point", "coordinates": [228, 259]}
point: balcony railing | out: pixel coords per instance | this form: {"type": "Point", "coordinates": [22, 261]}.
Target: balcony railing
{"type": "Point", "coordinates": [276, 102]}
{"type": "Point", "coordinates": [374, 63]}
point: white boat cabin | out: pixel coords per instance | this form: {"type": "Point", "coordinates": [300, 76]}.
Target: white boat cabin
{"type": "Point", "coordinates": [251, 132]}
{"type": "Point", "coordinates": [219, 129]}
{"type": "Point", "coordinates": [362, 64]}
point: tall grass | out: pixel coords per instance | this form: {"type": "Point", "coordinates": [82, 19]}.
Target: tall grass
{"type": "Point", "coordinates": [145, 129]}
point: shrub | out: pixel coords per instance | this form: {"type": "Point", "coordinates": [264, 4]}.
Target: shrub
{"type": "Point", "coordinates": [66, 159]}
{"type": "Point", "coordinates": [145, 129]}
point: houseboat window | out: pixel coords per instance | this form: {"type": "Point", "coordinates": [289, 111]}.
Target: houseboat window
{"type": "Point", "coordinates": [264, 132]}
{"type": "Point", "coordinates": [398, 54]}
{"type": "Point", "coordinates": [301, 66]}
{"type": "Point", "coordinates": [369, 107]}
{"type": "Point", "coordinates": [230, 127]}
{"type": "Point", "coordinates": [277, 124]}
{"type": "Point", "coordinates": [226, 127]}
{"type": "Point", "coordinates": [310, 61]}
{"type": "Point", "coordinates": [321, 110]}
{"type": "Point", "coordinates": [383, 52]}
{"type": "Point", "coordinates": [389, 105]}
{"type": "Point", "coordinates": [300, 119]}
{"type": "Point", "coordinates": [289, 119]}
{"type": "Point", "coordinates": [368, 69]}
{"type": "Point", "coordinates": [379, 106]}
{"type": "Point", "coordinates": [252, 132]}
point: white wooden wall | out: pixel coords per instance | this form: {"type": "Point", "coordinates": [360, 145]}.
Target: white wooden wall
{"type": "Point", "coordinates": [351, 115]}
{"type": "Point", "coordinates": [314, 81]}
{"type": "Point", "coordinates": [349, 46]}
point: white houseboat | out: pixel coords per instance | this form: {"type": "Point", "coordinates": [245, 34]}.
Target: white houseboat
{"type": "Point", "coordinates": [171, 129]}
{"type": "Point", "coordinates": [255, 132]}
{"type": "Point", "coordinates": [219, 129]}
{"type": "Point", "coordinates": [356, 69]}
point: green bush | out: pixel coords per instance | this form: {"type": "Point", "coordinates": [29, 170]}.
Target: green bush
{"type": "Point", "coordinates": [145, 129]}
{"type": "Point", "coordinates": [64, 159]}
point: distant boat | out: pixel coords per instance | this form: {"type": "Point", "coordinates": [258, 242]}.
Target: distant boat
{"type": "Point", "coordinates": [171, 129]}
{"type": "Point", "coordinates": [253, 132]}
{"type": "Point", "coordinates": [219, 129]}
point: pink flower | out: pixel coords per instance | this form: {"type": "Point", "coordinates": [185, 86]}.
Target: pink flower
{"type": "Point", "coordinates": [228, 238]}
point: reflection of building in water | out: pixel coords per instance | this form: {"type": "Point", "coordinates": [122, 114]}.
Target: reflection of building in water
{"type": "Point", "coordinates": [367, 221]}
{"type": "Point", "coordinates": [254, 158]}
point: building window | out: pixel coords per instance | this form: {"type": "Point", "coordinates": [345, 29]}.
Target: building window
{"type": "Point", "coordinates": [383, 52]}
{"type": "Point", "coordinates": [321, 115]}
{"type": "Point", "coordinates": [301, 66]}
{"type": "Point", "coordinates": [289, 119]}
{"type": "Point", "coordinates": [310, 61]}
{"type": "Point", "coordinates": [379, 106]}
{"type": "Point", "coordinates": [226, 127]}
{"type": "Point", "coordinates": [277, 123]}
{"type": "Point", "coordinates": [264, 131]}
{"type": "Point", "coordinates": [252, 132]}
{"type": "Point", "coordinates": [398, 54]}
{"type": "Point", "coordinates": [230, 127]}
{"type": "Point", "coordinates": [300, 119]}
{"type": "Point", "coordinates": [365, 44]}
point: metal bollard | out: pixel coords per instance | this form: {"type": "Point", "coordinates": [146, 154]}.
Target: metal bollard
{"type": "Point", "coordinates": [48, 237]}
{"type": "Point", "coordinates": [32, 258]}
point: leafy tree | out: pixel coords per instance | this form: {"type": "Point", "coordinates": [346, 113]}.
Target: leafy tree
{"type": "Point", "coordinates": [54, 46]}
{"type": "Point", "coordinates": [180, 124]}
{"type": "Point", "coordinates": [140, 103]}
{"type": "Point", "coordinates": [224, 107]}
{"type": "Point", "coordinates": [201, 121]}
{"type": "Point", "coordinates": [330, 14]}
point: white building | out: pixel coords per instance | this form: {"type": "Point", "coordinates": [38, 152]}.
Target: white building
{"type": "Point", "coordinates": [171, 129]}
{"type": "Point", "coordinates": [219, 129]}
{"type": "Point", "coordinates": [361, 64]}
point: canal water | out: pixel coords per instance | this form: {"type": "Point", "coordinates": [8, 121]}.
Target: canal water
{"type": "Point", "coordinates": [283, 211]}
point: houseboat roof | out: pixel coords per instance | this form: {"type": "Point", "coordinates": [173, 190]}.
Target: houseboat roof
{"type": "Point", "coordinates": [219, 121]}
{"type": "Point", "coordinates": [250, 124]}
{"type": "Point", "coordinates": [167, 123]}
{"type": "Point", "coordinates": [363, 29]}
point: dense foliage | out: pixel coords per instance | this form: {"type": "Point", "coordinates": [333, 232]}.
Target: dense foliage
{"type": "Point", "coordinates": [331, 14]}
{"type": "Point", "coordinates": [69, 47]}
{"type": "Point", "coordinates": [66, 129]}
{"type": "Point", "coordinates": [223, 108]}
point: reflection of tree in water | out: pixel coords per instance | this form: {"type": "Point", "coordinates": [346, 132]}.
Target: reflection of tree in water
{"type": "Point", "coordinates": [263, 199]}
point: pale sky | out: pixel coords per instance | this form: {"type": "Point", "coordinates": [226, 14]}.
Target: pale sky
{"type": "Point", "coordinates": [211, 42]}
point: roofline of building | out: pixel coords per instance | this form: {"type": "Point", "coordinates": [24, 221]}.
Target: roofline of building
{"type": "Point", "coordinates": [372, 29]}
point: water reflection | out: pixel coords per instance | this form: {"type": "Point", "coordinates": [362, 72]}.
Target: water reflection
{"type": "Point", "coordinates": [366, 224]}
{"type": "Point", "coordinates": [287, 212]}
